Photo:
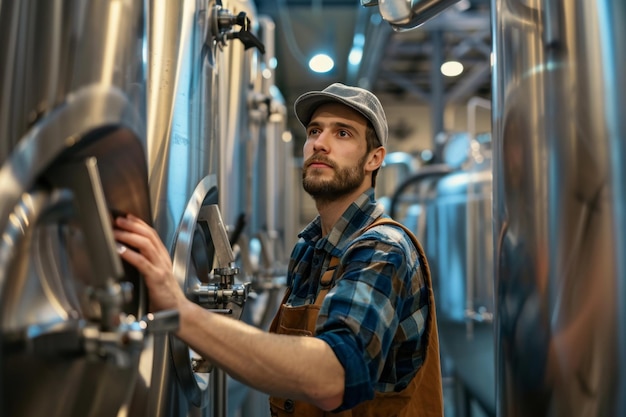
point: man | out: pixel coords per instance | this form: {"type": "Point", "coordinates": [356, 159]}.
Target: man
{"type": "Point", "coordinates": [361, 290]}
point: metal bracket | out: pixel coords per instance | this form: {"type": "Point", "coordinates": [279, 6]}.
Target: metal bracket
{"type": "Point", "coordinates": [226, 296]}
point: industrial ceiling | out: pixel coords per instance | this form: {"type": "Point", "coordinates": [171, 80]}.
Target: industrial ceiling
{"type": "Point", "coordinates": [404, 65]}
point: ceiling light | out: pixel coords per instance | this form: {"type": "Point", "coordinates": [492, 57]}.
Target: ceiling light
{"type": "Point", "coordinates": [356, 54]}
{"type": "Point", "coordinates": [287, 136]}
{"type": "Point", "coordinates": [451, 68]}
{"type": "Point", "coordinates": [321, 63]}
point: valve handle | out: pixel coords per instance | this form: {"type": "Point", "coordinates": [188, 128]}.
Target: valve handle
{"type": "Point", "coordinates": [248, 39]}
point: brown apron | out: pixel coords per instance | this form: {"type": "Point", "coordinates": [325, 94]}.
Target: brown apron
{"type": "Point", "coordinates": [423, 397]}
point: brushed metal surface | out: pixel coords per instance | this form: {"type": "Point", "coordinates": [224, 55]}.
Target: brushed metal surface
{"type": "Point", "coordinates": [72, 91]}
{"type": "Point", "coordinates": [558, 206]}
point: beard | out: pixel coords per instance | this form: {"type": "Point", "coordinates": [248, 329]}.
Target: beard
{"type": "Point", "coordinates": [344, 182]}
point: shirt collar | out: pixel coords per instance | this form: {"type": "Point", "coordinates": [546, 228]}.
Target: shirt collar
{"type": "Point", "coordinates": [363, 211]}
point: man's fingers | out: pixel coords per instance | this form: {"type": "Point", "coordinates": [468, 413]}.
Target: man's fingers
{"type": "Point", "coordinates": [133, 224]}
{"type": "Point", "coordinates": [137, 226]}
{"type": "Point", "coordinates": [141, 243]}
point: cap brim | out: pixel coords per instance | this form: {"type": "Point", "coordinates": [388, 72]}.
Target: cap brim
{"type": "Point", "coordinates": [306, 105]}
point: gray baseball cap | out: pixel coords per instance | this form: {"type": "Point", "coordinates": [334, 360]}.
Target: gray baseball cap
{"type": "Point", "coordinates": [357, 98]}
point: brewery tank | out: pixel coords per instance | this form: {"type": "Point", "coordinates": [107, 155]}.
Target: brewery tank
{"type": "Point", "coordinates": [125, 119]}
{"type": "Point", "coordinates": [559, 205]}
{"type": "Point", "coordinates": [199, 124]}
{"type": "Point", "coordinates": [558, 89]}
{"type": "Point", "coordinates": [72, 151]}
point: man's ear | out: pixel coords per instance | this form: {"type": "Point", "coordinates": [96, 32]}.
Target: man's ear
{"type": "Point", "coordinates": [375, 159]}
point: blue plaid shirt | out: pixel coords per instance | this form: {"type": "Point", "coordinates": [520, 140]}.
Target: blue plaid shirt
{"type": "Point", "coordinates": [374, 316]}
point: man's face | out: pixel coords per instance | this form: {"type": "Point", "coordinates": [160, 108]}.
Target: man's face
{"type": "Point", "coordinates": [335, 153]}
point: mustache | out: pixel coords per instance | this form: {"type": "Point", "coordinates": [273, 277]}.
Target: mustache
{"type": "Point", "coordinates": [318, 159]}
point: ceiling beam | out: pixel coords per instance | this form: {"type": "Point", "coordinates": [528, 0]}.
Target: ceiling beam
{"type": "Point", "coordinates": [470, 83]}
{"type": "Point", "coordinates": [406, 84]}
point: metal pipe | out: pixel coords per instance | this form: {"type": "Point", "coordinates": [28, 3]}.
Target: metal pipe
{"type": "Point", "coordinates": [409, 14]}
{"type": "Point", "coordinates": [220, 394]}
{"type": "Point", "coordinates": [473, 216]}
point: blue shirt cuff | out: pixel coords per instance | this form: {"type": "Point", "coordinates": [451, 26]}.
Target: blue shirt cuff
{"type": "Point", "coordinates": [358, 387]}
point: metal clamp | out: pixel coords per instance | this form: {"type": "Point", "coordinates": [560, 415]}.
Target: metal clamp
{"type": "Point", "coordinates": [123, 344]}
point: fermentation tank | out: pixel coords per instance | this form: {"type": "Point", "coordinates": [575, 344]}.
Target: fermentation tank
{"type": "Point", "coordinates": [558, 99]}
{"type": "Point", "coordinates": [200, 57]}
{"type": "Point", "coordinates": [559, 205]}
{"type": "Point", "coordinates": [111, 107]}
{"type": "Point", "coordinates": [72, 156]}
{"type": "Point", "coordinates": [265, 220]}
{"type": "Point", "coordinates": [180, 134]}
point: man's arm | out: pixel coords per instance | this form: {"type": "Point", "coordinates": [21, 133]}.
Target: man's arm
{"type": "Point", "coordinates": [300, 368]}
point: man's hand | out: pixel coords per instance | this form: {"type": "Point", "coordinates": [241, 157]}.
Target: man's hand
{"type": "Point", "coordinates": [151, 258]}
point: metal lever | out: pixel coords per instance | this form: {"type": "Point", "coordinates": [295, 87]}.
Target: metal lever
{"type": "Point", "coordinates": [211, 215]}
{"type": "Point", "coordinates": [83, 179]}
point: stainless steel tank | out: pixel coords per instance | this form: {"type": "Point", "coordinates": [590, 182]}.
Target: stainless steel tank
{"type": "Point", "coordinates": [559, 206]}
{"type": "Point", "coordinates": [180, 135]}
{"type": "Point", "coordinates": [270, 221]}
{"type": "Point", "coordinates": [458, 239]}
{"type": "Point", "coordinates": [200, 57]}
{"type": "Point", "coordinates": [271, 182]}
{"type": "Point", "coordinates": [72, 156]}
{"type": "Point", "coordinates": [558, 95]}
{"type": "Point", "coordinates": [79, 145]}
{"type": "Point", "coordinates": [237, 65]}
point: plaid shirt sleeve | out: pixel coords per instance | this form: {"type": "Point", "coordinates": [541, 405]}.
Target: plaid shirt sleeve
{"type": "Point", "coordinates": [376, 309]}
